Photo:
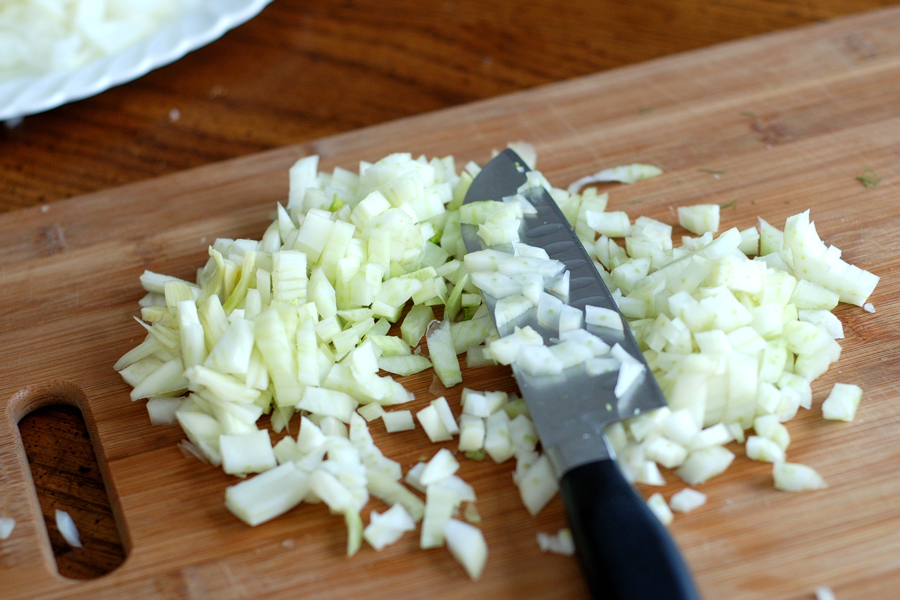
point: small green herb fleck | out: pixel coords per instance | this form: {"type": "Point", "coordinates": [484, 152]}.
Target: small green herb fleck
{"type": "Point", "coordinates": [712, 171]}
{"type": "Point", "coordinates": [748, 113]}
{"type": "Point", "coordinates": [646, 110]}
{"type": "Point", "coordinates": [635, 201]}
{"type": "Point", "coordinates": [731, 204]}
{"type": "Point", "coordinates": [869, 178]}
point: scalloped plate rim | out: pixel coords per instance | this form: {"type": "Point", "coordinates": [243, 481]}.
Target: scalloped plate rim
{"type": "Point", "coordinates": [16, 95]}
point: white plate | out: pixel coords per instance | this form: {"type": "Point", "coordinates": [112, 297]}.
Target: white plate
{"type": "Point", "coordinates": [203, 22]}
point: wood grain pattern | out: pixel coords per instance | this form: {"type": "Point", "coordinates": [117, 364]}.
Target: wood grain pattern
{"type": "Point", "coordinates": [791, 119]}
{"type": "Point", "coordinates": [302, 70]}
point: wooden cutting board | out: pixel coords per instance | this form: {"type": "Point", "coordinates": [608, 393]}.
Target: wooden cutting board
{"type": "Point", "coordinates": [768, 127]}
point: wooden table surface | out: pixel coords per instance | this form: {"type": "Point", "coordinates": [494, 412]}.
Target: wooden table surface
{"type": "Point", "coordinates": [304, 70]}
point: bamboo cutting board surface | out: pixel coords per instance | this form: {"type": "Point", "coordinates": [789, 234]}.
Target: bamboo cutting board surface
{"type": "Point", "coordinates": [768, 126]}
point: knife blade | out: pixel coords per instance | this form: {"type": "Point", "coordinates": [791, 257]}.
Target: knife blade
{"type": "Point", "coordinates": [625, 551]}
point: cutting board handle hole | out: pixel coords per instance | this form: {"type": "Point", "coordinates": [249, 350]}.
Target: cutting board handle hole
{"type": "Point", "coordinates": [72, 479]}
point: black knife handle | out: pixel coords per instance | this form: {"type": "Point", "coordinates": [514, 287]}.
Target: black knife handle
{"type": "Point", "coordinates": [625, 551]}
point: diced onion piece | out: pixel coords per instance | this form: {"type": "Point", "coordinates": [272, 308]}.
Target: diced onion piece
{"type": "Point", "coordinates": [631, 370]}
{"type": "Point", "coordinates": [203, 431]}
{"type": "Point", "coordinates": [464, 492]}
{"type": "Point", "coordinates": [7, 524]}
{"type": "Point", "coordinates": [446, 415]}
{"type": "Point", "coordinates": [443, 353]}
{"type": "Point", "coordinates": [472, 433]}
{"type": "Point", "coordinates": [391, 491]}
{"type": "Point", "coordinates": [523, 433]}
{"type": "Point", "coordinates": [506, 349]}
{"type": "Point", "coordinates": [823, 592]}
{"type": "Point", "coordinates": [665, 452]}
{"type": "Point", "coordinates": [440, 504]}
{"type": "Point", "coordinates": [622, 174]}
{"type": "Point", "coordinates": [414, 476]}
{"type": "Point", "coordinates": [561, 543]}
{"type": "Point", "coordinates": [603, 317]}
{"type": "Point", "coordinates": [404, 365]}
{"type": "Point", "coordinates": [586, 338]}
{"type": "Point", "coordinates": [824, 319]}
{"type": "Point", "coordinates": [354, 523]}
{"type": "Point", "coordinates": [246, 452]}
{"type": "Point", "coordinates": [479, 404]}
{"type": "Point", "coordinates": [268, 494]}
{"type": "Point", "coordinates": [398, 420]}
{"type": "Point", "coordinates": [764, 449]}
{"type": "Point", "coordinates": [371, 411]}
{"type": "Point", "coordinates": [169, 378]}
{"type": "Point", "coordinates": [539, 361]}
{"type": "Point", "coordinates": [704, 464]}
{"type": "Point", "coordinates": [431, 422]}
{"type": "Point", "coordinates": [485, 260]}
{"type": "Point", "coordinates": [537, 485]}
{"type": "Point", "coordinates": [687, 500]}
{"type": "Point", "coordinates": [570, 319]}
{"type": "Point", "coordinates": [479, 356]}
{"type": "Point", "coordinates": [680, 427]}
{"type": "Point", "coordinates": [714, 435]}
{"type": "Point", "coordinates": [473, 332]}
{"type": "Point", "coordinates": [793, 477]}
{"type": "Point", "coordinates": [327, 402]}
{"type": "Point", "coordinates": [467, 545]}
{"type": "Point", "coordinates": [442, 465]}
{"type": "Point", "coordinates": [808, 295]}
{"type": "Point", "coordinates": [162, 410]}
{"type": "Point", "coordinates": [67, 528]}
{"type": "Point", "coordinates": [509, 308]}
{"type": "Point", "coordinates": [415, 323]}
{"type": "Point", "coordinates": [571, 353]}
{"type": "Point", "coordinates": [387, 528]}
{"type": "Point", "coordinates": [658, 506]}
{"type": "Point", "coordinates": [331, 490]}
{"type": "Point", "coordinates": [769, 426]}
{"type": "Point", "coordinates": [611, 224]}
{"type": "Point", "coordinates": [842, 402]}
{"type": "Point", "coordinates": [648, 472]}
{"type": "Point", "coordinates": [498, 441]}
{"type": "Point", "coordinates": [699, 218]}
{"type": "Point", "coordinates": [549, 309]}
{"type": "Point", "coordinates": [495, 284]}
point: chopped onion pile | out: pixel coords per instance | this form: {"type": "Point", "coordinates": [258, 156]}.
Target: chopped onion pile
{"type": "Point", "coordinates": [306, 320]}
{"type": "Point", "coordinates": [39, 37]}
{"type": "Point", "coordinates": [734, 341]}
{"type": "Point", "coordinates": [301, 321]}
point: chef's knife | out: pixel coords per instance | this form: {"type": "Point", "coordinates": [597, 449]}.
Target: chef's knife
{"type": "Point", "coordinates": [625, 551]}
